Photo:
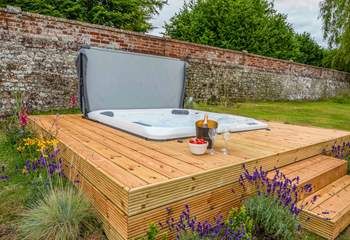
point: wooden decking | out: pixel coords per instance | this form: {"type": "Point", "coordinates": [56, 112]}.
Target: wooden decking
{"type": "Point", "coordinates": [131, 180]}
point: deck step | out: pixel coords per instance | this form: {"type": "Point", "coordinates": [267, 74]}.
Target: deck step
{"type": "Point", "coordinates": [326, 209]}
{"type": "Point", "coordinates": [319, 171]}
{"type": "Point", "coordinates": [329, 215]}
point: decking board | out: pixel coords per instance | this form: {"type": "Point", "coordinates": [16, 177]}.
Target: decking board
{"type": "Point", "coordinates": [135, 179]}
{"type": "Point", "coordinates": [330, 214]}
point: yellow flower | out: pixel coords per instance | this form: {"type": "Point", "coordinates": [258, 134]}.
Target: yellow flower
{"type": "Point", "coordinates": [38, 144]}
{"type": "Point", "coordinates": [54, 142]}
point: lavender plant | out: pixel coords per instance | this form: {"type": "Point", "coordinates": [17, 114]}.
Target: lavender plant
{"type": "Point", "coordinates": [342, 151]}
{"type": "Point", "coordinates": [187, 227]}
{"type": "Point", "coordinates": [272, 219]}
{"type": "Point", "coordinates": [283, 190]}
{"type": "Point", "coordinates": [47, 169]}
{"type": "Point", "coordinates": [275, 208]}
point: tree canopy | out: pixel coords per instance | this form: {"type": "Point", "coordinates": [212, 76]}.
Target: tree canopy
{"type": "Point", "coordinates": [308, 51]}
{"type": "Point", "coordinates": [336, 26]}
{"type": "Point", "coordinates": [125, 14]}
{"type": "Point", "coordinates": [251, 25]}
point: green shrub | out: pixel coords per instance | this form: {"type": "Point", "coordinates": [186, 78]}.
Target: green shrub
{"type": "Point", "coordinates": [13, 131]}
{"type": "Point", "coordinates": [63, 213]}
{"type": "Point", "coordinates": [191, 236]}
{"type": "Point", "coordinates": [152, 233]}
{"type": "Point", "coordinates": [238, 219]}
{"type": "Point", "coordinates": [196, 236]}
{"type": "Point", "coordinates": [342, 98]}
{"type": "Point", "coordinates": [15, 126]}
{"type": "Point", "coordinates": [271, 218]}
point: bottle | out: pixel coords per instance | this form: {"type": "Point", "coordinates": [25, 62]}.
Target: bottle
{"type": "Point", "coordinates": [205, 122]}
{"type": "Point", "coordinates": [189, 103]}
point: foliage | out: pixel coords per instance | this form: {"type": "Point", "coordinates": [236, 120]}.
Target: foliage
{"type": "Point", "coordinates": [34, 147]}
{"type": "Point", "coordinates": [343, 97]}
{"type": "Point", "coordinates": [15, 126]}
{"type": "Point", "coordinates": [153, 231]}
{"type": "Point", "coordinates": [45, 169]}
{"type": "Point", "coordinates": [31, 175]}
{"type": "Point", "coordinates": [13, 131]}
{"type": "Point", "coordinates": [189, 228]}
{"type": "Point", "coordinates": [238, 218]}
{"type": "Point", "coordinates": [332, 60]}
{"type": "Point", "coordinates": [275, 208]}
{"type": "Point", "coordinates": [250, 25]}
{"type": "Point", "coordinates": [15, 187]}
{"type": "Point", "coordinates": [307, 51]}
{"type": "Point", "coordinates": [192, 236]}
{"type": "Point", "coordinates": [57, 111]}
{"type": "Point", "coordinates": [125, 14]}
{"type": "Point", "coordinates": [343, 152]}
{"type": "Point", "coordinates": [40, 160]}
{"type": "Point", "coordinates": [19, 190]}
{"type": "Point", "coordinates": [62, 213]}
{"type": "Point", "coordinates": [336, 27]}
{"type": "Point", "coordinates": [272, 218]}
{"type": "Point", "coordinates": [284, 191]}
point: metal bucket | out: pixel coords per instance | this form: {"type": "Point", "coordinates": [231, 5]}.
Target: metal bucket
{"type": "Point", "coordinates": [203, 132]}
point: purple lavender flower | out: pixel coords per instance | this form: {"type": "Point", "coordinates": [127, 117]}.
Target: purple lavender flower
{"type": "Point", "coordinates": [284, 190]}
{"type": "Point", "coordinates": [341, 151]}
{"type": "Point", "coordinates": [76, 181]}
{"type": "Point", "coordinates": [186, 224]}
{"type": "Point", "coordinates": [4, 177]}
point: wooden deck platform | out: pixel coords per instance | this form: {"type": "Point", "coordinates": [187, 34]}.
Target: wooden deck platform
{"type": "Point", "coordinates": [131, 181]}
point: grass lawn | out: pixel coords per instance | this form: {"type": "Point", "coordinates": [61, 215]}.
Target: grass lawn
{"type": "Point", "coordinates": [327, 114]}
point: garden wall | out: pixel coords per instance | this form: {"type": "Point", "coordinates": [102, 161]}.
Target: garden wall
{"type": "Point", "coordinates": [37, 57]}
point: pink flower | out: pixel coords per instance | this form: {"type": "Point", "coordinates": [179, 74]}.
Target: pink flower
{"type": "Point", "coordinates": [23, 118]}
{"type": "Point", "coordinates": [73, 100]}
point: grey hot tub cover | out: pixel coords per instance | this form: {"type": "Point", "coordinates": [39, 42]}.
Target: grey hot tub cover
{"type": "Point", "coordinates": [113, 79]}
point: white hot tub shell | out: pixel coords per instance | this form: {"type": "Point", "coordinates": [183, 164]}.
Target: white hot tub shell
{"type": "Point", "coordinates": [165, 124]}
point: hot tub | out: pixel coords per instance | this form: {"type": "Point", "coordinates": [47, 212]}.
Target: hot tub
{"type": "Point", "coordinates": [143, 95]}
{"type": "Point", "coordinates": [166, 124]}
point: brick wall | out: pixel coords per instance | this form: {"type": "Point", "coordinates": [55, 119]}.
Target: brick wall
{"type": "Point", "coordinates": [37, 58]}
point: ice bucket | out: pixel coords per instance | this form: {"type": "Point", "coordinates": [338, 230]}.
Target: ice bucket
{"type": "Point", "coordinates": [203, 132]}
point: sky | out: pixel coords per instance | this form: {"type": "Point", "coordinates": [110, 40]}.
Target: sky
{"type": "Point", "coordinates": [302, 14]}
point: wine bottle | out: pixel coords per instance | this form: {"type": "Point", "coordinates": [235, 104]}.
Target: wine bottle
{"type": "Point", "coordinates": [205, 122]}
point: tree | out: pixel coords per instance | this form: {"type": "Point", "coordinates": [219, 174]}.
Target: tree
{"type": "Point", "coordinates": [125, 14]}
{"type": "Point", "coordinates": [308, 51]}
{"type": "Point", "coordinates": [251, 25]}
{"type": "Point", "coordinates": [336, 27]}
